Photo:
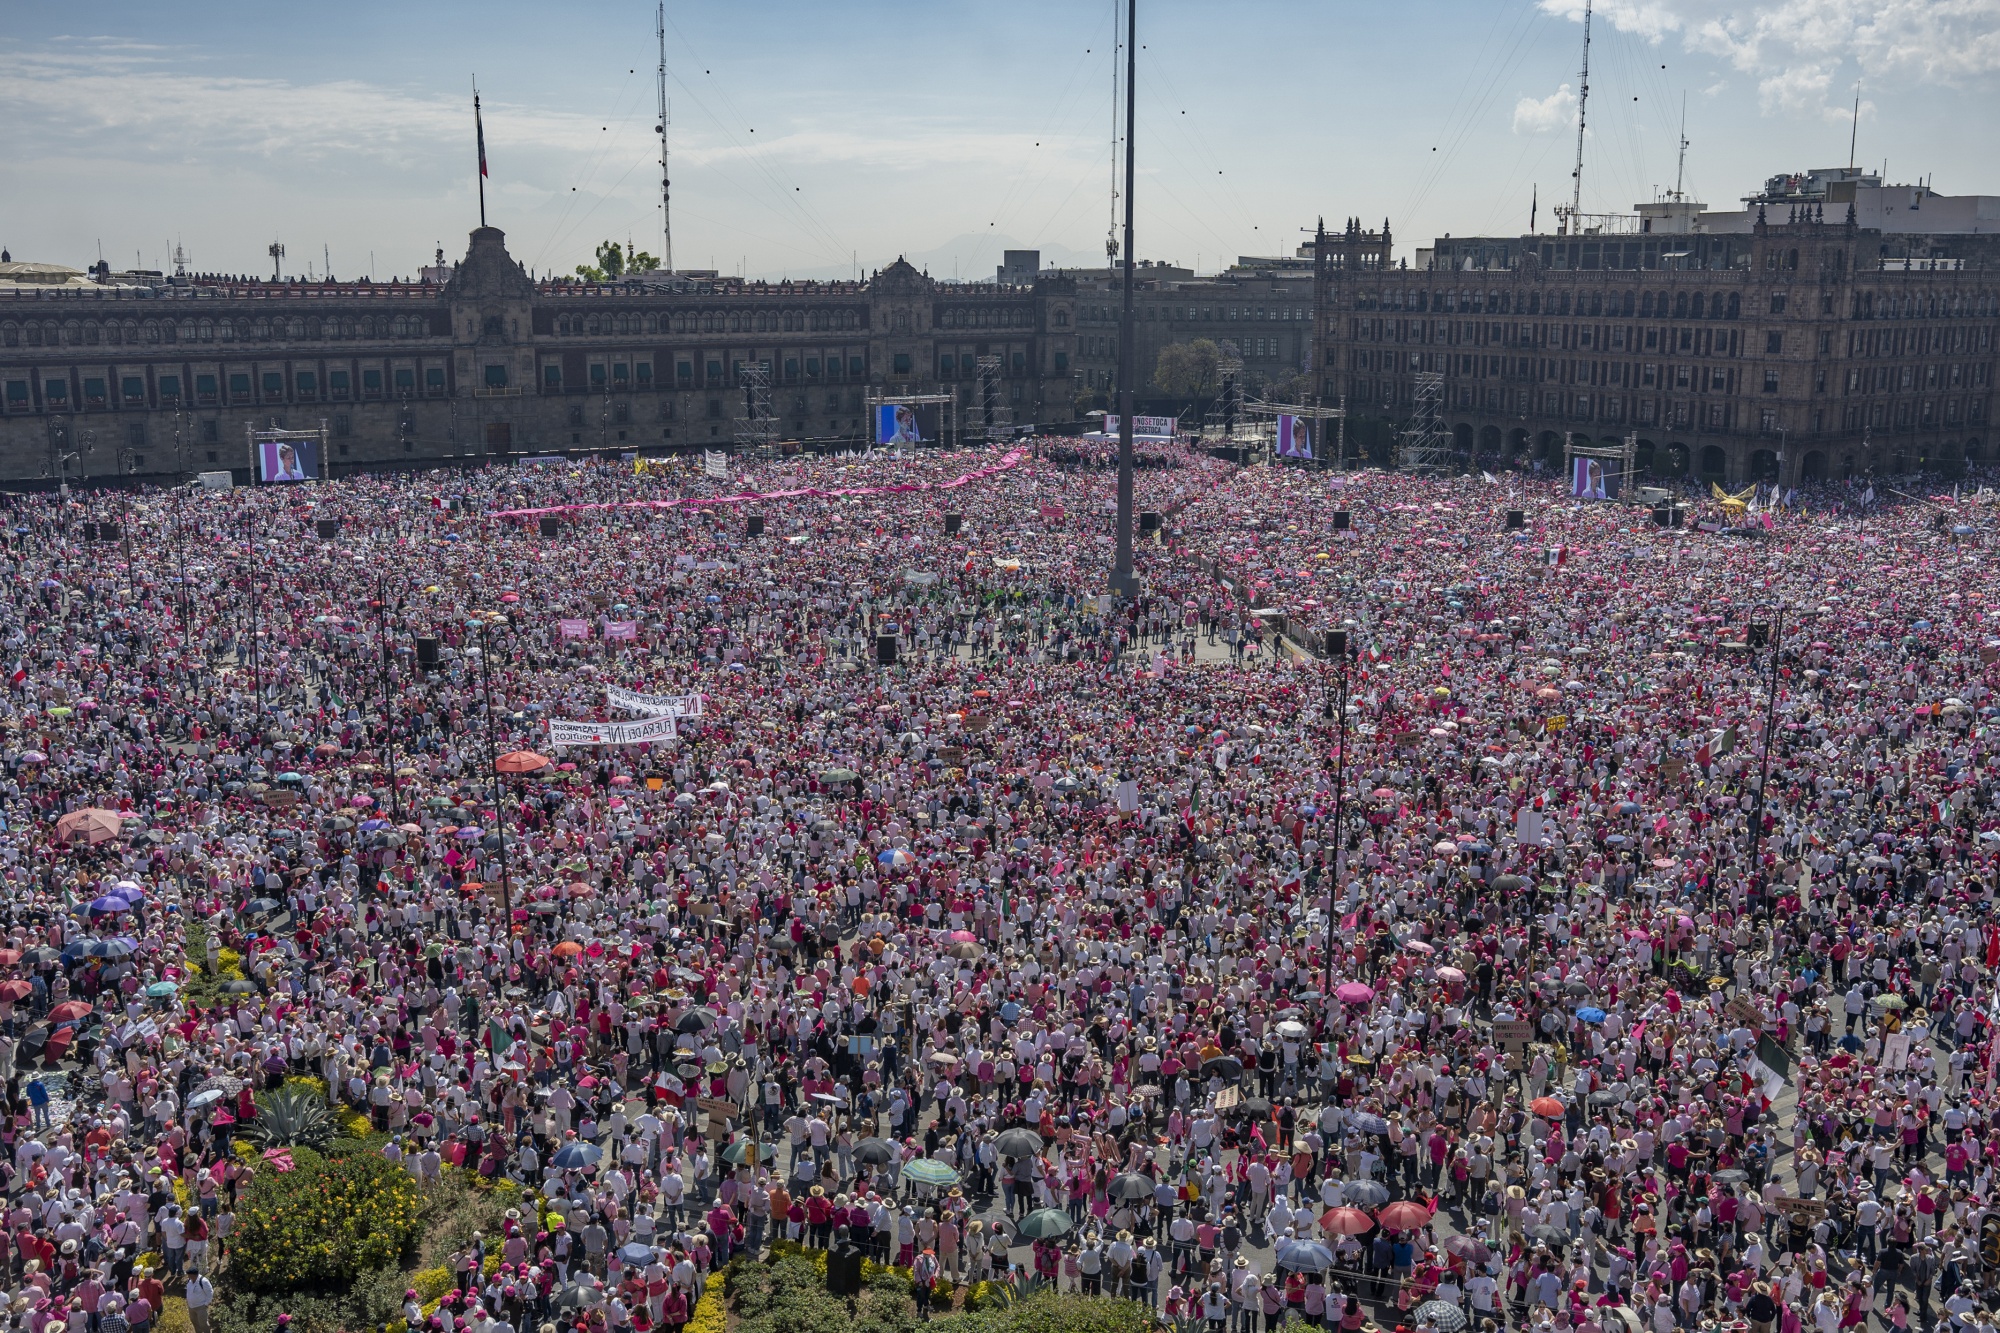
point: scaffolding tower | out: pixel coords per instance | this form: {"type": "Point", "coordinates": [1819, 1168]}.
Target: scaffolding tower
{"type": "Point", "coordinates": [1427, 445]}
{"type": "Point", "coordinates": [757, 434]}
{"type": "Point", "coordinates": [996, 414]}
{"type": "Point", "coordinates": [1226, 409]}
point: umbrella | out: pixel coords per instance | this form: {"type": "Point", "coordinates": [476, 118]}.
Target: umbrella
{"type": "Point", "coordinates": [739, 1150]}
{"type": "Point", "coordinates": [1254, 1107]}
{"type": "Point", "coordinates": [1303, 1256]}
{"type": "Point", "coordinates": [256, 905]}
{"type": "Point", "coordinates": [1347, 1221]}
{"type": "Point", "coordinates": [89, 825]}
{"type": "Point", "coordinates": [1729, 1175]}
{"type": "Point", "coordinates": [1467, 1248]}
{"type": "Point", "coordinates": [838, 775]}
{"type": "Point", "coordinates": [1367, 1193]}
{"type": "Point", "coordinates": [110, 903]}
{"type": "Point", "coordinates": [929, 1171]}
{"type": "Point", "coordinates": [1225, 1067]}
{"type": "Point", "coordinates": [1353, 992]}
{"type": "Point", "coordinates": [208, 1098]}
{"type": "Point", "coordinates": [582, 1295]}
{"type": "Point", "coordinates": [1880, 1001]}
{"type": "Point", "coordinates": [1606, 1097]}
{"type": "Point", "coordinates": [576, 1156]}
{"type": "Point", "coordinates": [1404, 1215]}
{"type": "Point", "coordinates": [520, 761]}
{"type": "Point", "coordinates": [1548, 1108]}
{"type": "Point", "coordinates": [160, 990]}
{"type": "Point", "coordinates": [1590, 1014]}
{"type": "Point", "coordinates": [1018, 1142]}
{"type": "Point", "coordinates": [1443, 1314]}
{"type": "Point", "coordinates": [1045, 1224]}
{"type": "Point", "coordinates": [635, 1254]}
{"type": "Point", "coordinates": [239, 987]}
{"type": "Point", "coordinates": [1370, 1123]}
{"type": "Point", "coordinates": [1293, 1029]}
{"type": "Point", "coordinates": [695, 1020]}
{"type": "Point", "coordinates": [1131, 1187]}
{"type": "Point", "coordinates": [1451, 974]}
{"type": "Point", "coordinates": [118, 948]}
{"type": "Point", "coordinates": [69, 1011]}
{"type": "Point", "coordinates": [874, 1152]}
{"type": "Point", "coordinates": [16, 990]}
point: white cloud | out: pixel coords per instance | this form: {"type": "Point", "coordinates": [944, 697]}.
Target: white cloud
{"type": "Point", "coordinates": [1800, 50]}
{"type": "Point", "coordinates": [1554, 112]}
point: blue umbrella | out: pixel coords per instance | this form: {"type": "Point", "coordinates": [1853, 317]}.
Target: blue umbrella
{"type": "Point", "coordinates": [108, 949]}
{"type": "Point", "coordinates": [110, 902]}
{"type": "Point", "coordinates": [1590, 1014]}
{"type": "Point", "coordinates": [1303, 1256]}
{"type": "Point", "coordinates": [160, 990]}
{"type": "Point", "coordinates": [576, 1156]}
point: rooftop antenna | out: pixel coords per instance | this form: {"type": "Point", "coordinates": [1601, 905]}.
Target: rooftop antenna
{"type": "Point", "coordinates": [1680, 167]}
{"type": "Point", "coordinates": [1111, 233]}
{"type": "Point", "coordinates": [1854, 133]}
{"type": "Point", "coordinates": [666, 118]}
{"type": "Point", "coordinates": [326, 261]}
{"type": "Point", "coordinates": [276, 249]}
{"type": "Point", "coordinates": [1582, 102]}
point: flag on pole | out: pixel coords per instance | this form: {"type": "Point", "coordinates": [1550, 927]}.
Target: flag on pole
{"type": "Point", "coordinates": [479, 129]}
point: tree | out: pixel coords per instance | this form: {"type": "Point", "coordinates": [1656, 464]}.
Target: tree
{"type": "Point", "coordinates": [613, 263]}
{"type": "Point", "coordinates": [1291, 387]}
{"type": "Point", "coordinates": [1189, 369]}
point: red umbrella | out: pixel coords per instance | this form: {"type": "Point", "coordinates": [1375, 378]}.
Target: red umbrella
{"type": "Point", "coordinates": [1346, 1221]}
{"type": "Point", "coordinates": [15, 990]}
{"type": "Point", "coordinates": [89, 825]}
{"type": "Point", "coordinates": [69, 1011]}
{"type": "Point", "coordinates": [521, 761]}
{"type": "Point", "coordinates": [1404, 1215]}
{"type": "Point", "coordinates": [9, 957]}
{"type": "Point", "coordinates": [1548, 1108]}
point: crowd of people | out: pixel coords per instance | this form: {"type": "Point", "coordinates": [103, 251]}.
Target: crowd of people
{"type": "Point", "coordinates": [1603, 939]}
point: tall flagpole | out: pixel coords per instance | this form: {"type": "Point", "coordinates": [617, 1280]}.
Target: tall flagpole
{"type": "Point", "coordinates": [1123, 582]}
{"type": "Point", "coordinates": [479, 133]}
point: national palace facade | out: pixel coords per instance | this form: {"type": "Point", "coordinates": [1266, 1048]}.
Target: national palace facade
{"type": "Point", "coordinates": [1801, 348]}
{"type": "Point", "coordinates": [160, 381]}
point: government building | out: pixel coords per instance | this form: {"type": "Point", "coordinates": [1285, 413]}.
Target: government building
{"type": "Point", "coordinates": [1833, 328]}
{"type": "Point", "coordinates": [155, 378]}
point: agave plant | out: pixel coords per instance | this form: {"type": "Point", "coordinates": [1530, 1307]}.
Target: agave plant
{"type": "Point", "coordinates": [290, 1118]}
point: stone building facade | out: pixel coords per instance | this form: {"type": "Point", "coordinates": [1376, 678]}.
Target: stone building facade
{"type": "Point", "coordinates": [158, 382]}
{"type": "Point", "coordinates": [1793, 352]}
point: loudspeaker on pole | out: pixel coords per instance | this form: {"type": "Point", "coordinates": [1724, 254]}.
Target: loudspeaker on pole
{"type": "Point", "coordinates": [427, 653]}
{"type": "Point", "coordinates": [328, 528]}
{"type": "Point", "coordinates": [952, 523]}
{"type": "Point", "coordinates": [1516, 520]}
{"type": "Point", "coordinates": [885, 650]}
{"type": "Point", "coordinates": [753, 526]}
{"type": "Point", "coordinates": [551, 525]}
{"type": "Point", "coordinates": [1342, 520]}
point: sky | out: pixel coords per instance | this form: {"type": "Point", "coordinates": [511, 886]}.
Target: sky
{"type": "Point", "coordinates": [825, 139]}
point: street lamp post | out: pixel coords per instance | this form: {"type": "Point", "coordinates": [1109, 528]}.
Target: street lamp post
{"type": "Point", "coordinates": [493, 767]}
{"type": "Point", "coordinates": [388, 701]}
{"type": "Point", "coordinates": [1777, 631]}
{"type": "Point", "coordinates": [1337, 646]}
{"type": "Point", "coordinates": [1124, 582]}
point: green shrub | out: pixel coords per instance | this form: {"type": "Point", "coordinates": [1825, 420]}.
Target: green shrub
{"type": "Point", "coordinates": [325, 1221]}
{"type": "Point", "coordinates": [1052, 1312]}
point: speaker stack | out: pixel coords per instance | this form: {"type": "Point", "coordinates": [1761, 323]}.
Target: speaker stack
{"type": "Point", "coordinates": [90, 531]}
{"type": "Point", "coordinates": [1663, 515]}
{"type": "Point", "coordinates": [952, 523]}
{"type": "Point", "coordinates": [1342, 520]}
{"type": "Point", "coordinates": [551, 525]}
{"type": "Point", "coordinates": [1149, 521]}
{"type": "Point", "coordinates": [328, 528]}
{"type": "Point", "coordinates": [427, 654]}
{"type": "Point", "coordinates": [885, 650]}
{"type": "Point", "coordinates": [753, 526]}
{"type": "Point", "coordinates": [1516, 520]}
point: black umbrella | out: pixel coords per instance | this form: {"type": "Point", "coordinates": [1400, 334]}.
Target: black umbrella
{"type": "Point", "coordinates": [1509, 883]}
{"type": "Point", "coordinates": [1018, 1142]}
{"type": "Point", "coordinates": [1131, 1187]}
{"type": "Point", "coordinates": [875, 1152]}
{"type": "Point", "coordinates": [1225, 1067]}
{"type": "Point", "coordinates": [695, 1020]}
{"type": "Point", "coordinates": [1255, 1108]}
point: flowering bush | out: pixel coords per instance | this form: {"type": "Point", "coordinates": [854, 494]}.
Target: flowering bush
{"type": "Point", "coordinates": [325, 1221]}
{"type": "Point", "coordinates": [711, 1312]}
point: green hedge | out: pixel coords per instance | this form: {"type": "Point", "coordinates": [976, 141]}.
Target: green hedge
{"type": "Point", "coordinates": [324, 1221]}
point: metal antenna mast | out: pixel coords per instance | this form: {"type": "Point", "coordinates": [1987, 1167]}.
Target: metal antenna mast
{"type": "Point", "coordinates": [1111, 232]}
{"type": "Point", "coordinates": [1854, 134]}
{"type": "Point", "coordinates": [1582, 102]}
{"type": "Point", "coordinates": [666, 194]}
{"type": "Point", "coordinates": [1680, 166]}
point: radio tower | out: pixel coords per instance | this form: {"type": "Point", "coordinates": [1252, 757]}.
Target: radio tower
{"type": "Point", "coordinates": [1582, 101]}
{"type": "Point", "coordinates": [277, 252]}
{"type": "Point", "coordinates": [666, 194]}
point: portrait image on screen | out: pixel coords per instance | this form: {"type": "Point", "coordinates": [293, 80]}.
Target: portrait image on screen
{"type": "Point", "coordinates": [287, 460]}
{"type": "Point", "coordinates": [906, 423]}
{"type": "Point", "coordinates": [1592, 479]}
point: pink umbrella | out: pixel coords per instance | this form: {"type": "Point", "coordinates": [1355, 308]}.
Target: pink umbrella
{"type": "Point", "coordinates": [1354, 992]}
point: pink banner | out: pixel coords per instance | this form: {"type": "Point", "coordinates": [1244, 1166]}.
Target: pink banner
{"type": "Point", "coordinates": [621, 629]}
{"type": "Point", "coordinates": [1008, 462]}
{"type": "Point", "coordinates": [575, 629]}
